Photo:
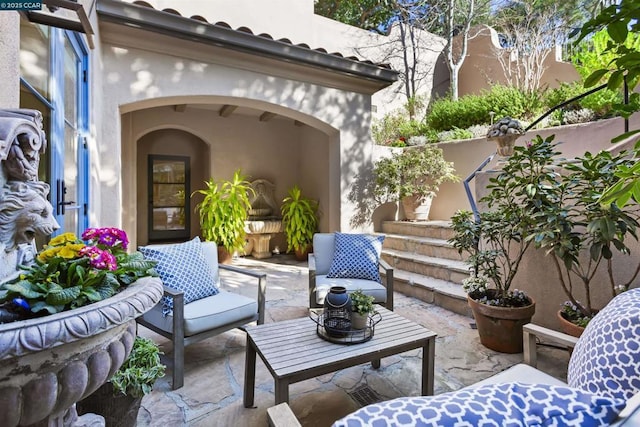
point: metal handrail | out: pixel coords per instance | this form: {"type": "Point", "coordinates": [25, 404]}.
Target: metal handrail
{"type": "Point", "coordinates": [467, 188]}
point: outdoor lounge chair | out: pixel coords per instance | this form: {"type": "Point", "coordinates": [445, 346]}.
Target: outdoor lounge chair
{"type": "Point", "coordinates": [603, 379]}
{"type": "Point", "coordinates": [355, 263]}
{"type": "Point", "coordinates": [198, 314]}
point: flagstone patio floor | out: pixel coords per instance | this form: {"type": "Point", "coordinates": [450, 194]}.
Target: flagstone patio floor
{"type": "Point", "coordinates": [214, 369]}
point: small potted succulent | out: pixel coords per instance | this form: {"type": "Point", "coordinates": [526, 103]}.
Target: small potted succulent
{"type": "Point", "coordinates": [119, 399]}
{"type": "Point", "coordinates": [361, 307]}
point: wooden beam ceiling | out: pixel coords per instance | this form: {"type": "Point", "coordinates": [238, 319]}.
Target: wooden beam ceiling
{"type": "Point", "coordinates": [226, 110]}
{"type": "Point", "coordinates": [266, 116]}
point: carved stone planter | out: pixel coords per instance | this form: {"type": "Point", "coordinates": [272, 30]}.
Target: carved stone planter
{"type": "Point", "coordinates": [49, 363]}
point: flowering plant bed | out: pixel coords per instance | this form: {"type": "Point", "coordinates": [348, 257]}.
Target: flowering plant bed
{"type": "Point", "coordinates": [69, 273]}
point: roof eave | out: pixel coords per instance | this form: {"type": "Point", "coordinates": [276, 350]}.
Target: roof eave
{"type": "Point", "coordinates": [178, 26]}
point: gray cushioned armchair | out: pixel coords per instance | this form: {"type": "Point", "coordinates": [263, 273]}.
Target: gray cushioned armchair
{"type": "Point", "coordinates": [206, 317]}
{"type": "Point", "coordinates": [319, 284]}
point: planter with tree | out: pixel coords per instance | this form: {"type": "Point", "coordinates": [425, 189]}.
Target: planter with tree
{"type": "Point", "coordinates": [580, 234]}
{"type": "Point", "coordinates": [495, 243]}
{"type": "Point", "coordinates": [119, 399]}
{"type": "Point", "coordinates": [361, 308]}
{"type": "Point", "coordinates": [413, 176]}
{"type": "Point", "coordinates": [300, 218]}
{"type": "Point", "coordinates": [223, 213]}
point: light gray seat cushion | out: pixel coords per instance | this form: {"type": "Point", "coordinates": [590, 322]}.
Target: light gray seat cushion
{"type": "Point", "coordinates": [369, 287]}
{"type": "Point", "coordinates": [522, 373]}
{"type": "Point", "coordinates": [207, 313]}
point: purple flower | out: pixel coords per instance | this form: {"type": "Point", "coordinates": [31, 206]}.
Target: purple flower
{"type": "Point", "coordinates": [107, 236]}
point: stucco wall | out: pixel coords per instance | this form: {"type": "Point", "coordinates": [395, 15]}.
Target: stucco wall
{"type": "Point", "coordinates": [9, 59]}
{"type": "Point", "coordinates": [468, 154]}
{"type": "Point", "coordinates": [137, 79]}
{"type": "Point", "coordinates": [481, 68]}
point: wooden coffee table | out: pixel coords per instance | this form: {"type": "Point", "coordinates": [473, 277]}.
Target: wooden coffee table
{"type": "Point", "coordinates": [292, 351]}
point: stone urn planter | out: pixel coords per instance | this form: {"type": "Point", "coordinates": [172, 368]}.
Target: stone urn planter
{"type": "Point", "coordinates": [49, 363]}
{"type": "Point", "coordinates": [500, 328]}
{"type": "Point", "coordinates": [504, 133]}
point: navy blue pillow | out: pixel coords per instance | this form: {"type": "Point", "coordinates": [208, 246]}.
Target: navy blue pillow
{"type": "Point", "coordinates": [183, 267]}
{"type": "Point", "coordinates": [606, 358]}
{"type": "Point", "coordinates": [356, 256]}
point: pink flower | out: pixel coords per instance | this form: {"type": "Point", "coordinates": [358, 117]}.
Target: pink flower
{"type": "Point", "coordinates": [102, 260]}
{"type": "Point", "coordinates": [108, 236]}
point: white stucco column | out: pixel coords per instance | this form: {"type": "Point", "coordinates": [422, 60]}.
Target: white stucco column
{"type": "Point", "coordinates": [9, 59]}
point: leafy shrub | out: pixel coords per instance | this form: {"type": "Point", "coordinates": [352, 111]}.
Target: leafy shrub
{"type": "Point", "coordinates": [579, 116]}
{"type": "Point", "coordinates": [600, 102]}
{"type": "Point", "coordinates": [455, 134]}
{"type": "Point", "coordinates": [471, 110]}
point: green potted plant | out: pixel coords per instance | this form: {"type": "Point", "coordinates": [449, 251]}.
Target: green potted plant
{"type": "Point", "coordinates": [413, 176]}
{"type": "Point", "coordinates": [223, 213]}
{"type": "Point", "coordinates": [495, 243]}
{"type": "Point", "coordinates": [300, 219]}
{"type": "Point", "coordinates": [119, 399]}
{"type": "Point", "coordinates": [580, 234]}
{"type": "Point", "coordinates": [361, 307]}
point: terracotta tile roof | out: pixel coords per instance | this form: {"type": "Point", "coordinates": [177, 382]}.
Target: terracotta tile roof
{"type": "Point", "coordinates": [247, 30]}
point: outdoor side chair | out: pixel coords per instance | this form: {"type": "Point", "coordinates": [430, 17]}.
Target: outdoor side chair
{"type": "Point", "coordinates": [323, 256]}
{"type": "Point", "coordinates": [189, 322]}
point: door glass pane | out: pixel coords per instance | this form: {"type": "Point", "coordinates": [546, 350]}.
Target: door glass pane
{"type": "Point", "coordinates": [29, 100]}
{"type": "Point", "coordinates": [71, 81]}
{"type": "Point", "coordinates": [35, 53]}
{"type": "Point", "coordinates": [71, 206]}
{"type": "Point", "coordinates": [71, 70]}
{"type": "Point", "coordinates": [169, 214]}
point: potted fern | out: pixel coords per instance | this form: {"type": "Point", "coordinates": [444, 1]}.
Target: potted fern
{"type": "Point", "coordinates": [223, 213]}
{"type": "Point", "coordinates": [119, 399]}
{"type": "Point", "coordinates": [300, 218]}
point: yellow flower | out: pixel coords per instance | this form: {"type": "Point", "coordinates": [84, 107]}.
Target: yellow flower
{"type": "Point", "coordinates": [47, 254]}
{"type": "Point", "coordinates": [70, 251]}
{"type": "Point", "coordinates": [63, 239]}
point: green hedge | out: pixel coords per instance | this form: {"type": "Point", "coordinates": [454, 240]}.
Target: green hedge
{"type": "Point", "coordinates": [472, 110]}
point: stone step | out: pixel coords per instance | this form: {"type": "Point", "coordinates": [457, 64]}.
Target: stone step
{"type": "Point", "coordinates": [429, 246]}
{"type": "Point", "coordinates": [439, 268]}
{"type": "Point", "coordinates": [434, 229]}
{"type": "Point", "coordinates": [443, 293]}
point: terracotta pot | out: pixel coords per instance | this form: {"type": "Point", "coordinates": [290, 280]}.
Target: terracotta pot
{"type": "Point", "coordinates": [500, 328]}
{"type": "Point", "coordinates": [417, 208]}
{"type": "Point", "coordinates": [224, 256]}
{"type": "Point", "coordinates": [302, 254]}
{"type": "Point", "coordinates": [568, 327]}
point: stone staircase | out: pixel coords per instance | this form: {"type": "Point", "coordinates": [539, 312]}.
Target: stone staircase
{"type": "Point", "coordinates": [425, 265]}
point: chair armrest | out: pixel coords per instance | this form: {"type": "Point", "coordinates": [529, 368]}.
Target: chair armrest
{"type": "Point", "coordinates": [262, 286]}
{"type": "Point", "coordinates": [312, 281]}
{"type": "Point", "coordinates": [282, 416]}
{"type": "Point", "coordinates": [530, 333]}
{"type": "Point", "coordinates": [388, 272]}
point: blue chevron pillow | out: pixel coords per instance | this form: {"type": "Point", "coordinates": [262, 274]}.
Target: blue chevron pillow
{"type": "Point", "coordinates": [356, 256]}
{"type": "Point", "coordinates": [492, 405]}
{"type": "Point", "coordinates": [606, 358]}
{"type": "Point", "coordinates": [183, 267]}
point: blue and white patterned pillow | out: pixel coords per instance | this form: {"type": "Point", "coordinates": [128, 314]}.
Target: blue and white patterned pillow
{"type": "Point", "coordinates": [606, 358]}
{"type": "Point", "coordinates": [495, 405]}
{"type": "Point", "coordinates": [183, 267]}
{"type": "Point", "coordinates": [356, 256]}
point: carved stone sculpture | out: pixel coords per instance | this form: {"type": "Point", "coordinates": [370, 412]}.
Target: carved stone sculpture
{"type": "Point", "coordinates": [49, 363]}
{"type": "Point", "coordinates": [25, 212]}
